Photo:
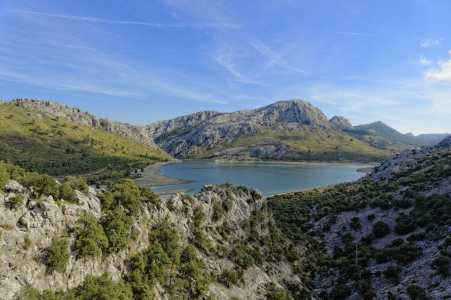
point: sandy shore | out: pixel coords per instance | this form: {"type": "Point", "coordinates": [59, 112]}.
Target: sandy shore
{"type": "Point", "coordinates": [172, 191]}
{"type": "Point", "coordinates": [151, 178]}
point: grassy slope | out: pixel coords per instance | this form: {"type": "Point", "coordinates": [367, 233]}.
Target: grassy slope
{"type": "Point", "coordinates": [20, 142]}
{"type": "Point", "coordinates": [335, 143]}
{"type": "Point", "coordinates": [392, 135]}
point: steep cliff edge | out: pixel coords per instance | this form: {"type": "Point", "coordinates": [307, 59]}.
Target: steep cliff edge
{"type": "Point", "coordinates": [238, 251]}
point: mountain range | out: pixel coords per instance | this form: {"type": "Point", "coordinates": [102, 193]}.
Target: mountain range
{"type": "Point", "coordinates": [291, 130]}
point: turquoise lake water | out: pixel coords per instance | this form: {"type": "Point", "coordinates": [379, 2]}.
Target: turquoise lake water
{"type": "Point", "coordinates": [270, 179]}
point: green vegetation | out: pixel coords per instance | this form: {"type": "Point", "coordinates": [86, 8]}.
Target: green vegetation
{"type": "Point", "coordinates": [57, 147]}
{"type": "Point", "coordinates": [294, 211]}
{"type": "Point", "coordinates": [59, 254]}
{"type": "Point", "coordinates": [387, 133]}
{"type": "Point", "coordinates": [16, 201]}
{"type": "Point", "coordinates": [92, 287]}
{"type": "Point", "coordinates": [308, 144]}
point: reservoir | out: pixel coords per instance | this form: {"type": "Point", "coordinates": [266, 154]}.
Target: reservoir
{"type": "Point", "coordinates": [268, 178]}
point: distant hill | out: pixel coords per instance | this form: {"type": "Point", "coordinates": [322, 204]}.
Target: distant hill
{"type": "Point", "coordinates": [286, 130]}
{"type": "Point", "coordinates": [433, 138]}
{"type": "Point", "coordinates": [55, 145]}
{"type": "Point", "coordinates": [389, 134]}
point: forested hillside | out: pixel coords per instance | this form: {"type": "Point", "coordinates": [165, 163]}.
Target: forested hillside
{"type": "Point", "coordinates": [398, 218]}
{"type": "Point", "coordinates": [49, 144]}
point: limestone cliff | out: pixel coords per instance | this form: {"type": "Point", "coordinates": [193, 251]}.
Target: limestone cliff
{"type": "Point", "coordinates": [41, 220]}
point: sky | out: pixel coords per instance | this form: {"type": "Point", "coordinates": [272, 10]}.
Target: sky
{"type": "Point", "coordinates": [145, 61]}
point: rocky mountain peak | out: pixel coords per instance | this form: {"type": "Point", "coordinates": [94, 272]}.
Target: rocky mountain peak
{"type": "Point", "coordinates": [410, 134]}
{"type": "Point", "coordinates": [341, 122]}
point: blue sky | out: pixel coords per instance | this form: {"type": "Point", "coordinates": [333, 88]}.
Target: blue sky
{"type": "Point", "coordinates": [145, 61]}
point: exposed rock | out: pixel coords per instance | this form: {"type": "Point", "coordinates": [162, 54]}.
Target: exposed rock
{"type": "Point", "coordinates": [47, 220]}
{"type": "Point", "coordinates": [341, 122]}
{"type": "Point", "coordinates": [445, 143]}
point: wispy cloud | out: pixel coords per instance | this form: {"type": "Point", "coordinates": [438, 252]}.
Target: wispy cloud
{"type": "Point", "coordinates": [430, 42]}
{"type": "Point", "coordinates": [150, 24]}
{"type": "Point", "coordinates": [424, 61]}
{"type": "Point", "coordinates": [274, 58]}
{"type": "Point", "coordinates": [441, 75]}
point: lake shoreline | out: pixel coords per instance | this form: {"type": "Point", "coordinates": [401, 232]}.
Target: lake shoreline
{"type": "Point", "coordinates": [151, 178]}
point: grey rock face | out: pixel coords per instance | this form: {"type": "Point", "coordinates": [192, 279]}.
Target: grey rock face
{"type": "Point", "coordinates": [445, 143]}
{"type": "Point", "coordinates": [44, 220]}
{"type": "Point", "coordinates": [185, 136]}
{"type": "Point", "coordinates": [76, 115]}
{"type": "Point", "coordinates": [399, 162]}
{"type": "Point", "coordinates": [341, 122]}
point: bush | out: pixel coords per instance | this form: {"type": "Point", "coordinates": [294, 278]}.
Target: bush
{"type": "Point", "coordinates": [355, 223]}
{"type": "Point", "coordinates": [116, 224]}
{"type": "Point", "coordinates": [416, 293]}
{"type": "Point", "coordinates": [27, 242]}
{"type": "Point", "coordinates": [46, 185]}
{"type": "Point", "coordinates": [441, 264]}
{"type": "Point", "coordinates": [58, 255]}
{"type": "Point", "coordinates": [414, 237]}
{"type": "Point", "coordinates": [392, 273]}
{"type": "Point", "coordinates": [217, 211]}
{"type": "Point", "coordinates": [228, 277]}
{"type": "Point", "coordinates": [228, 205]}
{"type": "Point", "coordinates": [16, 201]}
{"type": "Point", "coordinates": [380, 229]}
{"type": "Point", "coordinates": [28, 293]}
{"type": "Point", "coordinates": [91, 239]}
{"type": "Point", "coordinates": [66, 192]}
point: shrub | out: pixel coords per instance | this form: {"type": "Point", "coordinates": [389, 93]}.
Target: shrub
{"type": "Point", "coordinates": [217, 211]}
{"type": "Point", "coordinates": [441, 264]}
{"type": "Point", "coordinates": [27, 242]}
{"type": "Point", "coordinates": [115, 225]}
{"type": "Point", "coordinates": [227, 204]}
{"type": "Point", "coordinates": [355, 223]}
{"type": "Point", "coordinates": [416, 293]}
{"type": "Point", "coordinates": [28, 293]}
{"type": "Point", "coordinates": [46, 185]}
{"type": "Point", "coordinates": [66, 192]}
{"type": "Point", "coordinates": [228, 277]}
{"type": "Point", "coordinates": [91, 239]}
{"type": "Point", "coordinates": [392, 273]}
{"type": "Point", "coordinates": [16, 201]}
{"type": "Point", "coordinates": [371, 217]}
{"type": "Point", "coordinates": [101, 288]}
{"type": "Point", "coordinates": [419, 236]}
{"type": "Point", "coordinates": [77, 183]}
{"type": "Point", "coordinates": [380, 229]}
{"type": "Point", "coordinates": [58, 255]}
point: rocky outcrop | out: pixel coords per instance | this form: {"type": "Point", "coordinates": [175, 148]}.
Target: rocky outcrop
{"type": "Point", "coordinates": [341, 122]}
{"type": "Point", "coordinates": [445, 143]}
{"type": "Point", "coordinates": [185, 136]}
{"type": "Point", "coordinates": [399, 162]}
{"type": "Point", "coordinates": [41, 220]}
{"type": "Point", "coordinates": [76, 115]}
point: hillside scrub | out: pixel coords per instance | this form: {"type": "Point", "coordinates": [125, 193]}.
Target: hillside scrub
{"type": "Point", "coordinates": [404, 189]}
{"type": "Point", "coordinates": [55, 147]}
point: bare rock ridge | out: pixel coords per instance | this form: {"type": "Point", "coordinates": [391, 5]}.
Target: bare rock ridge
{"type": "Point", "coordinates": [76, 115]}
{"type": "Point", "coordinates": [186, 136]}
{"type": "Point", "coordinates": [341, 122]}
